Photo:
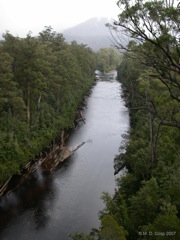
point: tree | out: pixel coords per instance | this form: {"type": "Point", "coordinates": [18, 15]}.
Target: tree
{"type": "Point", "coordinates": [148, 191]}
{"type": "Point", "coordinates": [82, 52]}
{"type": "Point", "coordinates": [108, 59]}
{"type": "Point", "coordinates": [33, 71]}
{"type": "Point", "coordinates": [81, 236]}
{"type": "Point", "coordinates": [166, 226]}
{"type": "Point", "coordinates": [30, 67]}
{"type": "Point", "coordinates": [110, 230]}
{"type": "Point", "coordinates": [148, 97]}
{"type": "Point", "coordinates": [154, 27]}
{"type": "Point", "coordinates": [12, 118]}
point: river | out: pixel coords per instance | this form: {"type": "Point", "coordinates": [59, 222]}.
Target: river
{"type": "Point", "coordinates": [67, 201]}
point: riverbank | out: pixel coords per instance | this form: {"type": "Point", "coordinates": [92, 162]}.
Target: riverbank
{"type": "Point", "coordinates": [52, 156]}
{"type": "Point", "coordinates": [68, 200]}
{"type": "Point", "coordinates": [43, 81]}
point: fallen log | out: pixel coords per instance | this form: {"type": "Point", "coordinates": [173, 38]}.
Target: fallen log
{"type": "Point", "coordinates": [48, 164]}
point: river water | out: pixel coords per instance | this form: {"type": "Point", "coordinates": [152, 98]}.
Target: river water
{"type": "Point", "coordinates": [67, 201]}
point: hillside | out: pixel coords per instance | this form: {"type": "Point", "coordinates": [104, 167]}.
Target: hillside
{"type": "Point", "coordinates": [92, 32]}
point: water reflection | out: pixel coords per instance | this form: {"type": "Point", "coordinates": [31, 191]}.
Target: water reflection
{"type": "Point", "coordinates": [32, 195]}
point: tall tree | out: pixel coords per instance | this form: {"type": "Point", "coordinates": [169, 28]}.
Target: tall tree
{"type": "Point", "coordinates": [154, 27]}
{"type": "Point", "coordinates": [33, 71]}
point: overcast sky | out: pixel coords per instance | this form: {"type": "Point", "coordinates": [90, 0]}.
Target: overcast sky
{"type": "Point", "coordinates": [21, 16]}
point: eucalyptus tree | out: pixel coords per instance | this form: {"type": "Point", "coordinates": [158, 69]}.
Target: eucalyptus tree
{"type": "Point", "coordinates": [82, 52]}
{"type": "Point", "coordinates": [153, 25]}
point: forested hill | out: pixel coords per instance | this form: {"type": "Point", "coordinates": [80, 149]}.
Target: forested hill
{"type": "Point", "coordinates": [42, 81]}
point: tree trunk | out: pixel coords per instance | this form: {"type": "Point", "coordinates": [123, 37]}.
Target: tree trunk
{"type": "Point", "coordinates": [28, 104]}
{"type": "Point", "coordinates": [39, 102]}
{"type": "Point", "coordinates": [151, 129]}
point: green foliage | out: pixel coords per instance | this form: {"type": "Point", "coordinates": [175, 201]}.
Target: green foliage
{"type": "Point", "coordinates": [42, 81]}
{"type": "Point", "coordinates": [147, 196]}
{"type": "Point", "coordinates": [81, 236]}
{"type": "Point", "coordinates": [146, 203]}
{"type": "Point", "coordinates": [108, 59]}
{"type": "Point", "coordinates": [153, 25]}
{"type": "Point", "coordinates": [110, 229]}
{"type": "Point", "coordinates": [166, 226]}
{"type": "Point", "coordinates": [149, 190]}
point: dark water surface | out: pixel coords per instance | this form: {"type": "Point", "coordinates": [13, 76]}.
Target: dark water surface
{"type": "Point", "coordinates": [69, 200]}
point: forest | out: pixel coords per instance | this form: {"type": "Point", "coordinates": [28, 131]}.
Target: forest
{"type": "Point", "coordinates": [146, 202]}
{"type": "Point", "coordinates": [42, 81]}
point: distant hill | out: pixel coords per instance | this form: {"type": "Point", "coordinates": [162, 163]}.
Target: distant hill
{"type": "Point", "coordinates": [92, 32]}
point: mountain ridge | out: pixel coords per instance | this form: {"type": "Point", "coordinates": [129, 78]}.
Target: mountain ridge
{"type": "Point", "coordinates": [91, 32]}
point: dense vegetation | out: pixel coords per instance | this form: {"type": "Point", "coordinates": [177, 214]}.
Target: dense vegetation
{"type": "Point", "coordinates": [42, 81]}
{"type": "Point", "coordinates": [146, 203]}
{"type": "Point", "coordinates": [108, 59]}
{"type": "Point", "coordinates": [45, 79]}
